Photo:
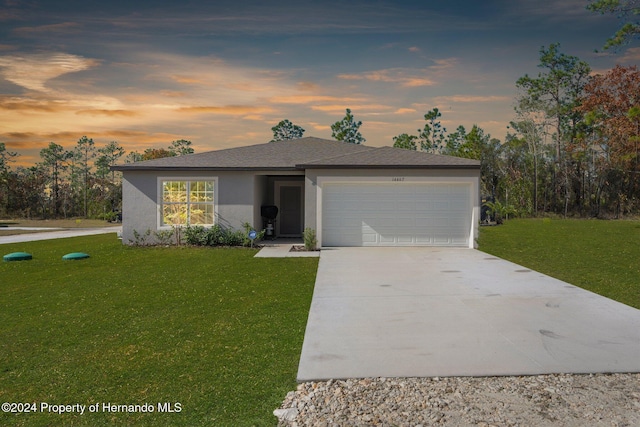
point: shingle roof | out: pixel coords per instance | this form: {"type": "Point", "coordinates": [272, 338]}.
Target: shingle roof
{"type": "Point", "coordinates": [390, 157]}
{"type": "Point", "coordinates": [302, 153]}
{"type": "Point", "coordinates": [272, 155]}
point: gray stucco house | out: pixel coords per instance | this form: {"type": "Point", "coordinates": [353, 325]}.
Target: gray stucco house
{"type": "Point", "coordinates": [351, 195]}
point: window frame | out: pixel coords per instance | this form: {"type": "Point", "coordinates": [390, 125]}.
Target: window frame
{"type": "Point", "coordinates": [186, 179]}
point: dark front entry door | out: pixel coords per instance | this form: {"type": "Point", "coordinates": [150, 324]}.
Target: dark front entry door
{"type": "Point", "coordinates": [290, 220]}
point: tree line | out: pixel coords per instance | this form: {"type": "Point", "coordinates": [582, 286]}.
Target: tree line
{"type": "Point", "coordinates": [71, 183]}
{"type": "Point", "coordinates": [573, 148]}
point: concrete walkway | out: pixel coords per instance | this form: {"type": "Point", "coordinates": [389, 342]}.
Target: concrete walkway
{"type": "Point", "coordinates": [423, 312]}
{"type": "Point", "coordinates": [63, 233]}
{"type": "Point", "coordinates": [282, 248]}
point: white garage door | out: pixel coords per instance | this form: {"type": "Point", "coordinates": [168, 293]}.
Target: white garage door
{"type": "Point", "coordinates": [396, 214]}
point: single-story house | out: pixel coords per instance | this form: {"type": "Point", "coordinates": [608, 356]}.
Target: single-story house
{"type": "Point", "coordinates": [351, 195]}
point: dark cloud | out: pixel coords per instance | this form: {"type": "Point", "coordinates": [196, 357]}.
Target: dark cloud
{"type": "Point", "coordinates": [43, 30]}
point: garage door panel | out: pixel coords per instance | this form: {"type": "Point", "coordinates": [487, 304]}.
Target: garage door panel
{"type": "Point", "coordinates": [368, 214]}
{"type": "Point", "coordinates": [441, 241]}
{"type": "Point", "coordinates": [408, 239]}
{"type": "Point", "coordinates": [387, 239]}
{"type": "Point", "coordinates": [424, 240]}
{"type": "Point", "coordinates": [369, 239]}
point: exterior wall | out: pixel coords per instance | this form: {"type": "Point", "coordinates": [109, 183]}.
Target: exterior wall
{"type": "Point", "coordinates": [139, 193]}
{"type": "Point", "coordinates": [238, 198]}
{"type": "Point", "coordinates": [316, 177]}
{"type": "Point", "coordinates": [234, 196]}
{"type": "Point", "coordinates": [260, 199]}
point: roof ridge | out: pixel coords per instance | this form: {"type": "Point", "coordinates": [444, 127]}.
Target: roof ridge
{"type": "Point", "coordinates": [426, 153]}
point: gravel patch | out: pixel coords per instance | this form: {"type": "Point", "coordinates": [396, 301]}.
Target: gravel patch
{"type": "Point", "coordinates": [543, 400]}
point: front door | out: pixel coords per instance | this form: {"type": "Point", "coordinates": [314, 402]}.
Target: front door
{"type": "Point", "coordinates": [290, 200]}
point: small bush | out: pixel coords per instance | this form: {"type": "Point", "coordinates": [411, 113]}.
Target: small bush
{"type": "Point", "coordinates": [500, 212]}
{"type": "Point", "coordinates": [218, 236]}
{"type": "Point", "coordinates": [310, 240]}
{"type": "Point", "coordinates": [231, 237]}
{"type": "Point", "coordinates": [141, 239]}
{"type": "Point", "coordinates": [247, 229]}
{"type": "Point", "coordinates": [195, 235]}
{"type": "Point", "coordinates": [164, 237]}
{"type": "Point", "coordinates": [112, 216]}
{"type": "Point", "coordinates": [215, 236]}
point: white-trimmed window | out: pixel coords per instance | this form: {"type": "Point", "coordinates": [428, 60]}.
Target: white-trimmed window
{"type": "Point", "coordinates": [187, 202]}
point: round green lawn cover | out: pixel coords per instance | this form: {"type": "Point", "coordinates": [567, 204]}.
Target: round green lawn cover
{"type": "Point", "coordinates": [17, 256]}
{"type": "Point", "coordinates": [76, 255]}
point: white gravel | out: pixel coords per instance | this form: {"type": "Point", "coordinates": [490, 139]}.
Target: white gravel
{"type": "Point", "coordinates": [543, 400]}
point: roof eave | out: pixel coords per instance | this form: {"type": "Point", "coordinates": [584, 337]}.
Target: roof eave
{"type": "Point", "coordinates": [200, 168]}
{"type": "Point", "coordinates": [316, 166]}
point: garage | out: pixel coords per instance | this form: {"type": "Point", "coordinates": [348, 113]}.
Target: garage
{"type": "Point", "coordinates": [397, 214]}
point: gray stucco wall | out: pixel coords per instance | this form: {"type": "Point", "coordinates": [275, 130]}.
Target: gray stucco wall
{"type": "Point", "coordinates": [139, 210]}
{"type": "Point", "coordinates": [239, 196]}
{"type": "Point", "coordinates": [140, 193]}
{"type": "Point", "coordinates": [261, 197]}
{"type": "Point", "coordinates": [235, 199]}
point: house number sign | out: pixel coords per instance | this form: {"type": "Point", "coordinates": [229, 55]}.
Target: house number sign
{"type": "Point", "coordinates": [397, 179]}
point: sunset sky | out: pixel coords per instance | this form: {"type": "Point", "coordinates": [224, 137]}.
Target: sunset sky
{"type": "Point", "coordinates": [222, 73]}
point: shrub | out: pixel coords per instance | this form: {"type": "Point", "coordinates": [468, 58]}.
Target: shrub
{"type": "Point", "coordinates": [218, 236]}
{"type": "Point", "coordinates": [196, 235]}
{"type": "Point", "coordinates": [500, 212]}
{"type": "Point", "coordinates": [141, 239]}
{"type": "Point", "coordinates": [229, 237]}
{"type": "Point", "coordinates": [163, 237]}
{"type": "Point", "coordinates": [247, 228]}
{"type": "Point", "coordinates": [215, 235]}
{"type": "Point", "coordinates": [109, 216]}
{"type": "Point", "coordinates": [310, 240]}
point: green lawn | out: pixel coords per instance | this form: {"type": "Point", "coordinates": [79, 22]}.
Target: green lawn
{"type": "Point", "coordinates": [600, 256]}
{"type": "Point", "coordinates": [215, 330]}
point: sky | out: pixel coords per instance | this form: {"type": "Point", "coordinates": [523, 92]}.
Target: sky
{"type": "Point", "coordinates": [221, 73]}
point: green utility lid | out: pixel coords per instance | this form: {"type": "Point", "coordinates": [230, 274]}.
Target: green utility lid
{"type": "Point", "coordinates": [75, 255]}
{"type": "Point", "coordinates": [17, 256]}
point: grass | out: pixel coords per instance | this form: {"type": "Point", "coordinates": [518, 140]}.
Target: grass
{"type": "Point", "coordinates": [215, 330]}
{"type": "Point", "coordinates": [600, 256]}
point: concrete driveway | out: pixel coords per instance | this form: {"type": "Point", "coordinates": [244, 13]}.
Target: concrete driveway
{"type": "Point", "coordinates": [423, 312]}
